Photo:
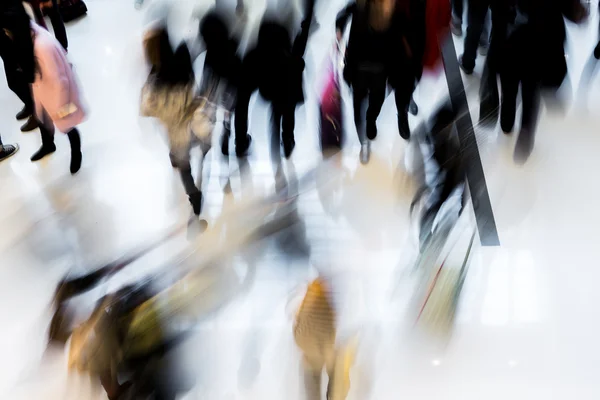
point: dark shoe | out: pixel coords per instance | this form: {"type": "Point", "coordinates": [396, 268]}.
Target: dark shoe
{"type": "Point", "coordinates": [523, 147]}
{"type": "Point", "coordinates": [403, 127]}
{"type": "Point", "coordinates": [456, 27]}
{"type": "Point", "coordinates": [365, 153]}
{"type": "Point", "coordinates": [288, 147]}
{"type": "Point", "coordinates": [413, 108]}
{"type": "Point", "coordinates": [225, 143]}
{"type": "Point", "coordinates": [371, 130]}
{"type": "Point", "coordinates": [466, 70]}
{"type": "Point", "coordinates": [24, 113]}
{"type": "Point", "coordinates": [507, 122]}
{"type": "Point", "coordinates": [8, 150]}
{"type": "Point", "coordinates": [242, 146]}
{"type": "Point", "coordinates": [30, 125]}
{"type": "Point", "coordinates": [46, 149]}
{"type": "Point", "coordinates": [196, 202]}
{"type": "Point", "coordinates": [75, 141]}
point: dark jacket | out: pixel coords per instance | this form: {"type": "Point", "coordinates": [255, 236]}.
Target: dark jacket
{"type": "Point", "coordinates": [528, 37]}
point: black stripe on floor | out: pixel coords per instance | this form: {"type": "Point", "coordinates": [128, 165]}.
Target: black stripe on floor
{"type": "Point", "coordinates": [482, 205]}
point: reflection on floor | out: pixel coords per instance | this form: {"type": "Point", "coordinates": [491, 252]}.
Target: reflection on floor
{"type": "Point", "coordinates": [526, 326]}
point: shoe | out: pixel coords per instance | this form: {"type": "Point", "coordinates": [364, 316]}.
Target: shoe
{"type": "Point", "coordinates": [46, 149]}
{"type": "Point", "coordinates": [507, 122]}
{"type": "Point", "coordinates": [241, 147]}
{"type": "Point", "coordinates": [365, 153]}
{"type": "Point", "coordinates": [523, 147]}
{"type": "Point", "coordinates": [225, 144]}
{"type": "Point", "coordinates": [456, 27]}
{"type": "Point", "coordinates": [24, 113]}
{"type": "Point", "coordinates": [403, 127]}
{"type": "Point", "coordinates": [288, 147]}
{"type": "Point", "coordinates": [196, 202]}
{"type": "Point", "coordinates": [466, 70]}
{"type": "Point", "coordinates": [75, 141]}
{"type": "Point", "coordinates": [7, 151]}
{"type": "Point", "coordinates": [30, 125]}
{"type": "Point", "coordinates": [371, 130]}
{"type": "Point", "coordinates": [413, 108]}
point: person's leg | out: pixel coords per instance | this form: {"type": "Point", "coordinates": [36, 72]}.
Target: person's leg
{"type": "Point", "coordinates": [58, 26]}
{"type": "Point", "coordinates": [402, 94]}
{"type": "Point", "coordinates": [194, 194]}
{"type": "Point", "coordinates": [510, 89]}
{"type": "Point", "coordinates": [288, 123]}
{"type": "Point", "coordinates": [476, 18]}
{"type": "Point", "coordinates": [377, 86]}
{"type": "Point", "coordinates": [47, 133]}
{"type": "Point", "coordinates": [457, 16]}
{"type": "Point", "coordinates": [531, 108]}
{"type": "Point", "coordinates": [489, 101]}
{"type": "Point", "coordinates": [359, 99]}
{"type": "Point", "coordinates": [18, 84]}
{"type": "Point", "coordinates": [484, 39]}
{"type": "Point", "coordinates": [276, 117]}
{"type": "Point", "coordinates": [75, 142]}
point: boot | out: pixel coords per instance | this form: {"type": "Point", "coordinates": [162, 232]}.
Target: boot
{"type": "Point", "coordinates": [75, 141]}
{"type": "Point", "coordinates": [225, 142]}
{"type": "Point", "coordinates": [403, 126]}
{"type": "Point", "coordinates": [288, 146]}
{"type": "Point", "coordinates": [196, 202]}
{"type": "Point", "coordinates": [24, 113]}
{"type": "Point", "coordinates": [371, 130]}
{"type": "Point", "coordinates": [30, 125]}
{"type": "Point", "coordinates": [48, 146]}
{"type": "Point", "coordinates": [365, 152]}
{"type": "Point", "coordinates": [242, 146]}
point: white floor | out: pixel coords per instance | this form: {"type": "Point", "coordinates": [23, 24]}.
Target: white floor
{"type": "Point", "coordinates": [526, 327]}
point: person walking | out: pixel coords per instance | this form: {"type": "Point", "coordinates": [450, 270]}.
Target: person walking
{"type": "Point", "coordinates": [478, 31]}
{"type": "Point", "coordinates": [18, 73]}
{"type": "Point", "coordinates": [527, 50]}
{"type": "Point", "coordinates": [378, 48]}
{"type": "Point", "coordinates": [58, 102]}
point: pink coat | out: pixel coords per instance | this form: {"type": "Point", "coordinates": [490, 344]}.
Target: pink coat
{"type": "Point", "coordinates": [55, 89]}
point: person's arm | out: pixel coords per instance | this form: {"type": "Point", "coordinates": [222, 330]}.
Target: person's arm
{"type": "Point", "coordinates": [343, 17]}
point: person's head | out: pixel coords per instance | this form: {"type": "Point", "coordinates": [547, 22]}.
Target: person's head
{"type": "Point", "coordinates": [213, 30]}
{"type": "Point", "coordinates": [380, 13]}
{"type": "Point", "coordinates": [157, 47]}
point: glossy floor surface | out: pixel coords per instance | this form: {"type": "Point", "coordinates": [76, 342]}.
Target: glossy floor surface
{"type": "Point", "coordinates": [527, 322]}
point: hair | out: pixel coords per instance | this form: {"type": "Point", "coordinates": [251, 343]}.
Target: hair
{"type": "Point", "coordinates": [16, 24]}
{"type": "Point", "coordinates": [168, 67]}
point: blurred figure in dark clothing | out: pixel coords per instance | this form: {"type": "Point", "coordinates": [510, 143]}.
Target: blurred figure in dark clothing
{"type": "Point", "coordinates": [477, 33]}
{"type": "Point", "coordinates": [19, 69]}
{"type": "Point", "coordinates": [53, 11]}
{"type": "Point", "coordinates": [386, 42]}
{"type": "Point", "coordinates": [274, 68]}
{"type": "Point", "coordinates": [527, 49]}
{"type": "Point", "coordinates": [222, 68]}
{"type": "Point", "coordinates": [457, 16]}
{"type": "Point", "coordinates": [590, 67]}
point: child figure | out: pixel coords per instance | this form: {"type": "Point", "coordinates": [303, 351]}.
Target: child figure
{"type": "Point", "coordinates": [169, 95]}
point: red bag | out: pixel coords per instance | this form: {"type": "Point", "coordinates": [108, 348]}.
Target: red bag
{"type": "Point", "coordinates": [437, 25]}
{"type": "Point", "coordinates": [331, 109]}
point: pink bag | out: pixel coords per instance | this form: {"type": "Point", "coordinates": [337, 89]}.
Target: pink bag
{"type": "Point", "coordinates": [331, 109]}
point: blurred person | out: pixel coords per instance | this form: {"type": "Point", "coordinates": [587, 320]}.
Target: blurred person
{"type": "Point", "coordinates": [18, 72]}
{"type": "Point", "coordinates": [50, 8]}
{"type": "Point", "coordinates": [379, 47]}
{"type": "Point", "coordinates": [56, 93]}
{"type": "Point", "coordinates": [528, 51]}
{"type": "Point", "coordinates": [7, 150]}
{"type": "Point", "coordinates": [590, 67]}
{"type": "Point", "coordinates": [222, 68]}
{"type": "Point", "coordinates": [169, 95]}
{"type": "Point", "coordinates": [274, 67]}
{"type": "Point", "coordinates": [478, 34]}
{"type": "Point", "coordinates": [456, 22]}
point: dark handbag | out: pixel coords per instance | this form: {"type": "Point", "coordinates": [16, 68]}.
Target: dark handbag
{"type": "Point", "coordinates": [72, 9]}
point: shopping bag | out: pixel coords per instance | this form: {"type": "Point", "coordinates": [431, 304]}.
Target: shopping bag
{"type": "Point", "coordinates": [72, 9]}
{"type": "Point", "coordinates": [331, 133]}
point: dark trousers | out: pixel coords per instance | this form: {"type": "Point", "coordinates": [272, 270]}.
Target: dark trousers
{"type": "Point", "coordinates": [14, 77]}
{"type": "Point", "coordinates": [530, 93]}
{"type": "Point", "coordinates": [457, 10]}
{"type": "Point", "coordinates": [283, 122]}
{"type": "Point", "coordinates": [369, 86]}
{"type": "Point", "coordinates": [477, 31]}
{"type": "Point", "coordinates": [58, 26]}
